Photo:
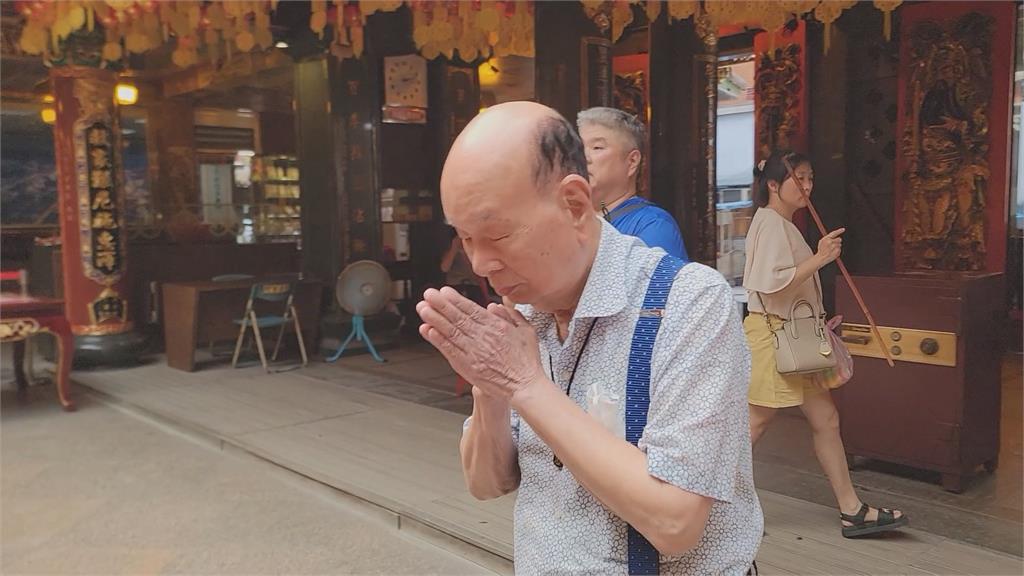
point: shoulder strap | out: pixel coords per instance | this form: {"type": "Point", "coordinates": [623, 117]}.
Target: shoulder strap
{"type": "Point", "coordinates": [643, 557]}
{"type": "Point", "coordinates": [623, 210]}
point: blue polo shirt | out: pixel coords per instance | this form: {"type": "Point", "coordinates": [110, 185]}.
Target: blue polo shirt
{"type": "Point", "coordinates": [650, 223]}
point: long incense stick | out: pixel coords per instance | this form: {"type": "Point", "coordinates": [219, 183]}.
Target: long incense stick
{"type": "Point", "coordinates": [839, 261]}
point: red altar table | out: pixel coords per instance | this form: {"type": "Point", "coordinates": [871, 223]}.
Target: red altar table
{"type": "Point", "coordinates": [24, 316]}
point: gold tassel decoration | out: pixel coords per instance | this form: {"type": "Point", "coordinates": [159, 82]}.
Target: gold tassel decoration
{"type": "Point", "coordinates": [339, 22]}
{"type": "Point", "coordinates": [827, 13]}
{"type": "Point", "coordinates": [887, 7]}
{"type": "Point", "coordinates": [683, 9]}
{"type": "Point", "coordinates": [622, 15]}
{"type": "Point", "coordinates": [653, 10]}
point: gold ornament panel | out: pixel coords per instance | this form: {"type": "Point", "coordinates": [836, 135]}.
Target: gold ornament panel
{"type": "Point", "coordinates": [14, 329]}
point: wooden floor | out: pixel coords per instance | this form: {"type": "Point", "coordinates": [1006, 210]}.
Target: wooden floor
{"type": "Point", "coordinates": [403, 456]}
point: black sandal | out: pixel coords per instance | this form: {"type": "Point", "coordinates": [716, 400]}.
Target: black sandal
{"type": "Point", "coordinates": [886, 521]}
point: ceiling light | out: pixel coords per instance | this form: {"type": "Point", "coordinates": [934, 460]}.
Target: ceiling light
{"type": "Point", "coordinates": [126, 94]}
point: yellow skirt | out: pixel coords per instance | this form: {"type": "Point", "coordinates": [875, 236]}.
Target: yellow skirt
{"type": "Point", "coordinates": [768, 388]}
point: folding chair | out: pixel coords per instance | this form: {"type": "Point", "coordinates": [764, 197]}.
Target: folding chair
{"type": "Point", "coordinates": [269, 292]}
{"type": "Point", "coordinates": [228, 278]}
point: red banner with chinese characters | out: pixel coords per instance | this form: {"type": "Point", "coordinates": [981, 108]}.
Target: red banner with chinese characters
{"type": "Point", "coordinates": [90, 183]}
{"type": "Point", "coordinates": [952, 163]}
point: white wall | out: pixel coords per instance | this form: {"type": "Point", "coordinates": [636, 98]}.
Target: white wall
{"type": "Point", "coordinates": [734, 147]}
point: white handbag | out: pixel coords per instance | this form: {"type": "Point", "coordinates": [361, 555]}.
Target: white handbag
{"type": "Point", "coordinates": [801, 343]}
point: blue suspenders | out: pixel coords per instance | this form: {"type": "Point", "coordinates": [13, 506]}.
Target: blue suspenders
{"type": "Point", "coordinates": [643, 558]}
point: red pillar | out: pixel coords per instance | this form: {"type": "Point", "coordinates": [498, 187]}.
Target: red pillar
{"type": "Point", "coordinates": [90, 183]}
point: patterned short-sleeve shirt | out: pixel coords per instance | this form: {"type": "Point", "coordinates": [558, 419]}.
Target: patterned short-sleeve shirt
{"type": "Point", "coordinates": [697, 436]}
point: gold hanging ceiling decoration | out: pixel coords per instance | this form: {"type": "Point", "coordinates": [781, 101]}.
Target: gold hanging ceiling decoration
{"type": "Point", "coordinates": [827, 13]}
{"type": "Point", "coordinates": [622, 16]}
{"type": "Point", "coordinates": [600, 12]}
{"type": "Point", "coordinates": [770, 15]}
{"type": "Point", "coordinates": [683, 9]}
{"type": "Point", "coordinates": [887, 7]}
{"type": "Point", "coordinates": [130, 27]}
{"type": "Point", "coordinates": [474, 29]}
{"type": "Point", "coordinates": [767, 14]}
{"type": "Point", "coordinates": [477, 29]}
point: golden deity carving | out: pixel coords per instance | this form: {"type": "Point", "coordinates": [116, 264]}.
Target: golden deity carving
{"type": "Point", "coordinates": [778, 87]}
{"type": "Point", "coordinates": [945, 145]}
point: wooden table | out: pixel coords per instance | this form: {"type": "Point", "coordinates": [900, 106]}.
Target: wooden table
{"type": "Point", "coordinates": [21, 317]}
{"type": "Point", "coordinates": [197, 313]}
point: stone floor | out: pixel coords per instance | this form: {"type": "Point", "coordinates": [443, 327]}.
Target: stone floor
{"type": "Point", "coordinates": [990, 511]}
{"type": "Point", "coordinates": [100, 491]}
{"type": "Point", "coordinates": [386, 435]}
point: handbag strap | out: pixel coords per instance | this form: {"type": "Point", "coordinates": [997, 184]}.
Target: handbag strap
{"type": "Point", "coordinates": [817, 289]}
{"type": "Point", "coordinates": [643, 557]}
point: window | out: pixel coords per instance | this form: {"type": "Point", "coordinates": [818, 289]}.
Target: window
{"type": "Point", "coordinates": [734, 162]}
{"type": "Point", "coordinates": [28, 170]}
{"type": "Point", "coordinates": [137, 194]}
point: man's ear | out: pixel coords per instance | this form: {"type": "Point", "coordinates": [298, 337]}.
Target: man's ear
{"type": "Point", "coordinates": [575, 195]}
{"type": "Point", "coordinates": [634, 158]}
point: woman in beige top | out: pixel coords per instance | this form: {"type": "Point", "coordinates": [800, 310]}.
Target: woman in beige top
{"type": "Point", "coordinates": [781, 269]}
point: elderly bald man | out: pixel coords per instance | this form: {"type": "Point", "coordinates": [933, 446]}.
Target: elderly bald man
{"type": "Point", "coordinates": [643, 476]}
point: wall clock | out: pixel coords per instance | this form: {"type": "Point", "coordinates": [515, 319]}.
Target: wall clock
{"type": "Point", "coordinates": [405, 89]}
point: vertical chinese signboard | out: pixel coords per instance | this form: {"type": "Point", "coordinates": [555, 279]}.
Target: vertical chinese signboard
{"type": "Point", "coordinates": [91, 188]}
